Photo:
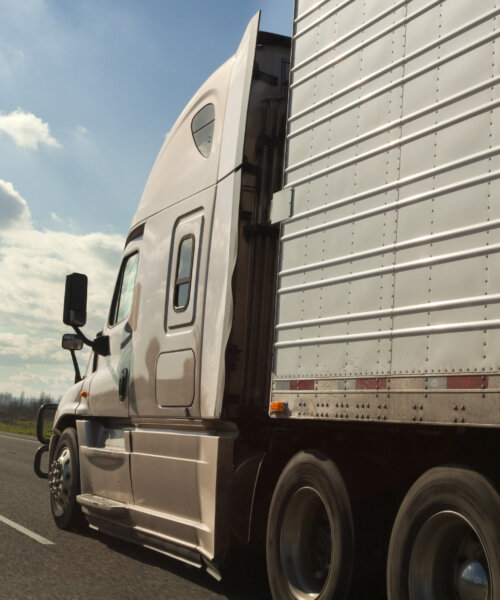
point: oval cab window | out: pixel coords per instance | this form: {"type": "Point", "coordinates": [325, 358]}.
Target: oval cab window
{"type": "Point", "coordinates": [202, 127]}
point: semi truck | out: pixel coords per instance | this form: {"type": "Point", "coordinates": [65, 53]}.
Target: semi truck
{"type": "Point", "coordinates": [302, 353]}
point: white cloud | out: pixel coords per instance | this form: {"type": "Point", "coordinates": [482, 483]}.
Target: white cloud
{"type": "Point", "coordinates": [33, 265]}
{"type": "Point", "coordinates": [82, 130]}
{"type": "Point", "coordinates": [27, 130]}
{"type": "Point", "coordinates": [13, 207]}
{"type": "Point", "coordinates": [55, 217]}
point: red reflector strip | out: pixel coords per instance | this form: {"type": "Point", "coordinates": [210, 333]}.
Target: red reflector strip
{"type": "Point", "coordinates": [370, 383]}
{"type": "Point", "coordinates": [466, 382]}
{"type": "Point", "coordinates": [302, 384]}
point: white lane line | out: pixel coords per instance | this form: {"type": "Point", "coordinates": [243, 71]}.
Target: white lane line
{"type": "Point", "coordinates": [13, 437]}
{"type": "Point", "coordinates": [27, 532]}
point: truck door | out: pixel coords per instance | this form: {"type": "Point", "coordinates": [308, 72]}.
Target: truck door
{"type": "Point", "coordinates": [109, 388]}
{"type": "Point", "coordinates": [104, 443]}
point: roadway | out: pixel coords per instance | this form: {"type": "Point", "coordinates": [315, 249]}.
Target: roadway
{"type": "Point", "coordinates": [40, 562]}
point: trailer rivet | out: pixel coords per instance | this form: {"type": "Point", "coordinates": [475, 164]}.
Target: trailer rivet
{"type": "Point", "coordinates": [414, 406]}
{"type": "Point", "coordinates": [455, 419]}
{"type": "Point", "coordinates": [455, 407]}
{"type": "Point", "coordinates": [462, 407]}
{"type": "Point", "coordinates": [385, 417]}
{"type": "Point", "coordinates": [357, 405]}
{"type": "Point", "coordinates": [362, 406]}
{"type": "Point", "coordinates": [420, 418]}
{"type": "Point", "coordinates": [463, 420]}
{"type": "Point", "coordinates": [414, 418]}
{"type": "Point", "coordinates": [385, 406]}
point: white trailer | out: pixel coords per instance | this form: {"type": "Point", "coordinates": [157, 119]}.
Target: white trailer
{"type": "Point", "coordinates": [309, 361]}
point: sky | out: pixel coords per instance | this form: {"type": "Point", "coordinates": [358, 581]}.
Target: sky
{"type": "Point", "coordinates": [88, 91]}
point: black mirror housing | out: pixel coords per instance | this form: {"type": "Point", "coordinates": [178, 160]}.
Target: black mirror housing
{"type": "Point", "coordinates": [75, 300]}
{"type": "Point", "coordinates": [71, 341]}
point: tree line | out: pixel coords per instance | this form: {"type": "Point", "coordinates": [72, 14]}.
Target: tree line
{"type": "Point", "coordinates": [21, 408]}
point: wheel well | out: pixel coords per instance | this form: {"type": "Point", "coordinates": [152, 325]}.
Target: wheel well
{"type": "Point", "coordinates": [64, 422]}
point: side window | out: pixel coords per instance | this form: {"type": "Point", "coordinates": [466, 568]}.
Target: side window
{"type": "Point", "coordinates": [202, 128]}
{"type": "Point", "coordinates": [180, 309]}
{"type": "Point", "coordinates": [184, 273]}
{"type": "Point", "coordinates": [124, 291]}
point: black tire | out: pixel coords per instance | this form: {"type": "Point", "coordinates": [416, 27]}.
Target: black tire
{"type": "Point", "coordinates": [445, 543]}
{"type": "Point", "coordinates": [64, 483]}
{"type": "Point", "coordinates": [310, 539]}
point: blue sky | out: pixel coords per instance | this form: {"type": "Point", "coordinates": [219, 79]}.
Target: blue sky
{"type": "Point", "coordinates": [88, 91]}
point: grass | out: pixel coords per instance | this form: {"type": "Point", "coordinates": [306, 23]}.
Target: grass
{"type": "Point", "coordinates": [23, 427]}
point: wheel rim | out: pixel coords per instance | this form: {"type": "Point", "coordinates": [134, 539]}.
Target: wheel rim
{"type": "Point", "coordinates": [306, 543]}
{"type": "Point", "coordinates": [60, 481]}
{"type": "Point", "coordinates": [448, 560]}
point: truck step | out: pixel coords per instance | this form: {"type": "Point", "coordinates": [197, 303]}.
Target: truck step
{"type": "Point", "coordinates": [102, 504]}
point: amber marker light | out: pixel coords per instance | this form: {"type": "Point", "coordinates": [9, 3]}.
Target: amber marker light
{"type": "Point", "coordinates": [84, 394]}
{"type": "Point", "coordinates": [277, 407]}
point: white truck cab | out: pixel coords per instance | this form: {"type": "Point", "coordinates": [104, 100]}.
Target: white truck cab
{"type": "Point", "coordinates": [155, 449]}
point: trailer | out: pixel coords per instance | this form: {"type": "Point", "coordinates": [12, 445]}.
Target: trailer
{"type": "Point", "coordinates": [302, 352]}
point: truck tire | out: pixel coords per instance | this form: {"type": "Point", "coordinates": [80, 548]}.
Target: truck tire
{"type": "Point", "coordinates": [64, 483]}
{"type": "Point", "coordinates": [310, 539]}
{"type": "Point", "coordinates": [445, 542]}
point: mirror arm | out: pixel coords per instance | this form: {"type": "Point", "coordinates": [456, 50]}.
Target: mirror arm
{"type": "Point", "coordinates": [78, 376]}
{"type": "Point", "coordinates": [99, 345]}
{"type": "Point", "coordinates": [84, 338]}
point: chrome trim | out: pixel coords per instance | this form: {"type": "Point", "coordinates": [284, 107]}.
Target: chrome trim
{"type": "Point", "coordinates": [389, 248]}
{"type": "Point", "coordinates": [394, 268]}
{"type": "Point", "coordinates": [393, 333]}
{"type": "Point", "coordinates": [394, 312]}
{"type": "Point", "coordinates": [404, 59]}
{"type": "Point", "coordinates": [386, 88]}
{"type": "Point", "coordinates": [446, 189]}
{"type": "Point", "coordinates": [461, 162]}
{"type": "Point", "coordinates": [397, 123]}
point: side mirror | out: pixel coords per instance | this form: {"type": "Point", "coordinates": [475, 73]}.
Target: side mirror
{"type": "Point", "coordinates": [75, 300]}
{"type": "Point", "coordinates": [71, 341]}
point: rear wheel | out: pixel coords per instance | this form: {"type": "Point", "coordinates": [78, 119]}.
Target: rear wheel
{"type": "Point", "coordinates": [64, 482]}
{"type": "Point", "coordinates": [445, 542]}
{"type": "Point", "coordinates": [310, 533]}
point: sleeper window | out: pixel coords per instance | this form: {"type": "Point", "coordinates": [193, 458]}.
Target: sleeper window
{"type": "Point", "coordinates": [202, 128]}
{"type": "Point", "coordinates": [124, 293]}
{"type": "Point", "coordinates": [184, 273]}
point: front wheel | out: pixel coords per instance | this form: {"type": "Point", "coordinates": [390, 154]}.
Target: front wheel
{"type": "Point", "coordinates": [445, 541]}
{"type": "Point", "coordinates": [64, 482]}
{"type": "Point", "coordinates": [310, 541]}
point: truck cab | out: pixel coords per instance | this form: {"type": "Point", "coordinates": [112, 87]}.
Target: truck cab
{"type": "Point", "coordinates": [145, 443]}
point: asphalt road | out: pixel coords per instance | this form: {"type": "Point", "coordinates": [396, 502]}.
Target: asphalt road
{"type": "Point", "coordinates": [90, 565]}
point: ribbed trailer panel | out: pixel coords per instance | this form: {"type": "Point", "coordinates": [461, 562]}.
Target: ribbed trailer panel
{"type": "Point", "coordinates": [389, 260]}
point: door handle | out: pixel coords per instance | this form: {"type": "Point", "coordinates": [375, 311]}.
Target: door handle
{"type": "Point", "coordinates": [122, 385]}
